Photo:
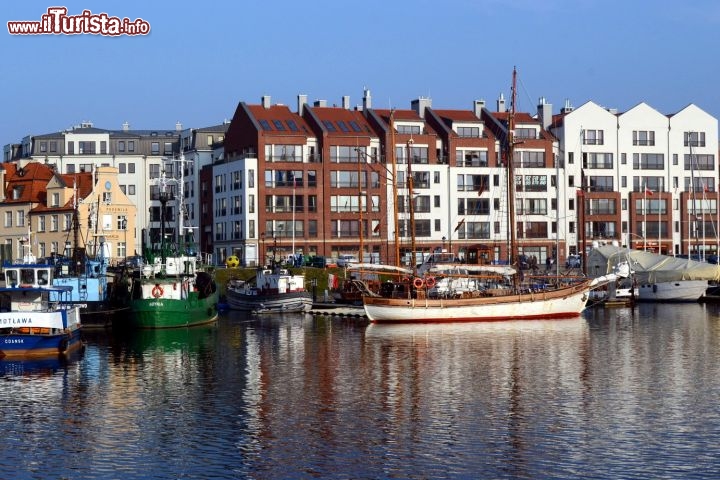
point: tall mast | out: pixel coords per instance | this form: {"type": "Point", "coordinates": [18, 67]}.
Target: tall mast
{"type": "Point", "coordinates": [509, 148]}
{"type": "Point", "coordinates": [361, 254]}
{"type": "Point", "coordinates": [391, 152]}
{"type": "Point", "coordinates": [411, 207]}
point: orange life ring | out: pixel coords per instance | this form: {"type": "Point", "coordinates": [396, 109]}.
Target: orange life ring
{"type": "Point", "coordinates": [157, 291]}
{"type": "Point", "coordinates": [430, 282]}
{"type": "Point", "coordinates": [418, 282]}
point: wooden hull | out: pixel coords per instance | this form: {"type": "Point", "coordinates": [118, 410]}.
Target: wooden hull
{"type": "Point", "coordinates": [293, 302]}
{"type": "Point", "coordinates": [561, 303]}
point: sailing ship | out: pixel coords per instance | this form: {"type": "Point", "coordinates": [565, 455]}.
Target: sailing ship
{"type": "Point", "coordinates": [482, 296]}
{"type": "Point", "coordinates": [32, 325]}
{"type": "Point", "coordinates": [173, 288]}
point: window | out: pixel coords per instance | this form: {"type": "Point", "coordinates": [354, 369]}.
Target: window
{"type": "Point", "coordinates": [265, 125]}
{"type": "Point", "coordinates": [103, 147]}
{"type": "Point", "coordinates": [471, 158]}
{"type": "Point", "coordinates": [131, 145]}
{"type": "Point", "coordinates": [107, 197]}
{"type": "Point", "coordinates": [648, 161]}
{"type": "Point", "coordinates": [468, 132]}
{"type": "Point", "coordinates": [643, 138]}
{"type": "Point", "coordinates": [53, 146]}
{"type": "Point", "coordinates": [121, 145]}
{"type": "Point", "coordinates": [408, 129]}
{"type": "Point", "coordinates": [131, 168]}
{"type": "Point", "coordinates": [699, 162]}
{"type": "Point", "coordinates": [41, 223]}
{"type": "Point", "coordinates": [131, 190]}
{"type": "Point", "coordinates": [20, 218]}
{"type": "Point", "coordinates": [593, 137]}
{"type": "Point", "coordinates": [121, 222]}
{"type": "Point", "coordinates": [71, 148]}
{"type": "Point", "coordinates": [168, 148]}
{"type": "Point", "coordinates": [55, 200]}
{"type": "Point", "coordinates": [121, 168]}
{"type": "Point", "coordinates": [53, 223]}
{"type": "Point", "coordinates": [526, 133]}
{"type": "Point", "coordinates": [154, 171]}
{"type": "Point", "coordinates": [86, 148]}
{"type": "Point", "coordinates": [155, 148]}
{"type": "Point", "coordinates": [694, 139]}
{"type": "Point", "coordinates": [8, 219]}
{"type": "Point", "coordinates": [67, 222]}
{"type": "Point", "coordinates": [210, 141]}
{"type": "Point", "coordinates": [43, 147]}
{"type": "Point", "coordinates": [598, 160]}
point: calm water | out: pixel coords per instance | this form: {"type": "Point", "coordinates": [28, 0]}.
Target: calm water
{"type": "Point", "coordinates": [615, 394]}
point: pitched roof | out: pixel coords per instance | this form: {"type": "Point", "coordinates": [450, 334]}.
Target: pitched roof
{"type": "Point", "coordinates": [29, 182]}
{"type": "Point", "coordinates": [279, 120]}
{"type": "Point", "coordinates": [342, 122]}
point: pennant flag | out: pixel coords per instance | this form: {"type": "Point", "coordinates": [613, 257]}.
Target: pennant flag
{"type": "Point", "coordinates": [377, 228]}
{"type": "Point", "coordinates": [648, 191]}
{"type": "Point", "coordinates": [460, 224]}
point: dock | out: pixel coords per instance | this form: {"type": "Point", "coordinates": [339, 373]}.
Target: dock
{"type": "Point", "coordinates": [337, 310]}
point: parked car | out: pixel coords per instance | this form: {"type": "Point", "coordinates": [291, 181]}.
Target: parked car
{"type": "Point", "coordinates": [346, 260]}
{"type": "Point", "coordinates": [316, 261]}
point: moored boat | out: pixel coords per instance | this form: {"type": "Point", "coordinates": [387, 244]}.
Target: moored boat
{"type": "Point", "coordinates": [174, 288]}
{"type": "Point", "coordinates": [452, 293]}
{"type": "Point", "coordinates": [32, 324]}
{"type": "Point", "coordinates": [272, 290]}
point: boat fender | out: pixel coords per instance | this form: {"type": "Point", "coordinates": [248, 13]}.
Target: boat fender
{"type": "Point", "coordinates": [157, 291]}
{"type": "Point", "coordinates": [418, 282]}
{"type": "Point", "coordinates": [430, 282]}
{"type": "Point", "coordinates": [63, 345]}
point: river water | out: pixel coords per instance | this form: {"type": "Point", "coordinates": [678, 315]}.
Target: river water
{"type": "Point", "coordinates": [616, 393]}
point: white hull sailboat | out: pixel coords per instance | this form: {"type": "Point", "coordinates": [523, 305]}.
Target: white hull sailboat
{"type": "Point", "coordinates": [455, 293]}
{"type": "Point", "coordinates": [679, 291]}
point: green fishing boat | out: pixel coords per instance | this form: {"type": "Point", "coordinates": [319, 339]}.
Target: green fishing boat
{"type": "Point", "coordinates": [173, 288]}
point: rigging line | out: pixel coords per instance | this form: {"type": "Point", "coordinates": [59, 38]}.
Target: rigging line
{"type": "Point", "coordinates": [527, 93]}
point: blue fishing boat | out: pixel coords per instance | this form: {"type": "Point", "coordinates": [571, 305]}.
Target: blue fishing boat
{"type": "Point", "coordinates": [33, 321]}
{"type": "Point", "coordinates": [100, 295]}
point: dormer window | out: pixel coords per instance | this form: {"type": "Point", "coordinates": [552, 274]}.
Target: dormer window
{"type": "Point", "coordinates": [17, 192]}
{"type": "Point", "coordinates": [55, 200]}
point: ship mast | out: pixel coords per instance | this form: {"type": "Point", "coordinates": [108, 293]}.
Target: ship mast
{"type": "Point", "coordinates": [411, 207]}
{"type": "Point", "coordinates": [391, 152]}
{"type": "Point", "coordinates": [513, 255]}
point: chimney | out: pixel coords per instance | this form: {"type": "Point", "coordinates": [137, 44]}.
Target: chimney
{"type": "Point", "coordinates": [178, 126]}
{"type": "Point", "coordinates": [367, 101]}
{"type": "Point", "coordinates": [420, 105]}
{"type": "Point", "coordinates": [346, 102]}
{"type": "Point", "coordinates": [320, 103]}
{"type": "Point", "coordinates": [126, 126]}
{"type": "Point", "coordinates": [501, 104]}
{"type": "Point", "coordinates": [544, 113]}
{"type": "Point", "coordinates": [478, 105]}
{"type": "Point", "coordinates": [567, 108]}
{"type": "Point", "coordinates": [265, 99]}
{"type": "Point", "coordinates": [302, 101]}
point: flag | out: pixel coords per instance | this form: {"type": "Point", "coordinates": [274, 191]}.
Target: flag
{"type": "Point", "coordinates": [705, 188]}
{"type": "Point", "coordinates": [580, 192]}
{"type": "Point", "coordinates": [460, 224]}
{"type": "Point", "coordinates": [377, 228]}
{"type": "Point", "coordinates": [648, 191]}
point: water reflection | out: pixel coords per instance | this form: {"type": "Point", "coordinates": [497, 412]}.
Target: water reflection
{"type": "Point", "coordinates": [620, 393]}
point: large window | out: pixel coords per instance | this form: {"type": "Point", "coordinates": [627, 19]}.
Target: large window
{"type": "Point", "coordinates": [699, 162]}
{"type": "Point", "coordinates": [593, 137]}
{"type": "Point", "coordinates": [643, 138]}
{"type": "Point", "coordinates": [648, 161]}
{"type": "Point", "coordinates": [600, 184]}
{"type": "Point", "coordinates": [597, 160]}
{"type": "Point", "coordinates": [471, 158]}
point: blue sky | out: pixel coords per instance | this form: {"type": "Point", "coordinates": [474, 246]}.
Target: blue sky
{"type": "Point", "coordinates": [202, 58]}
